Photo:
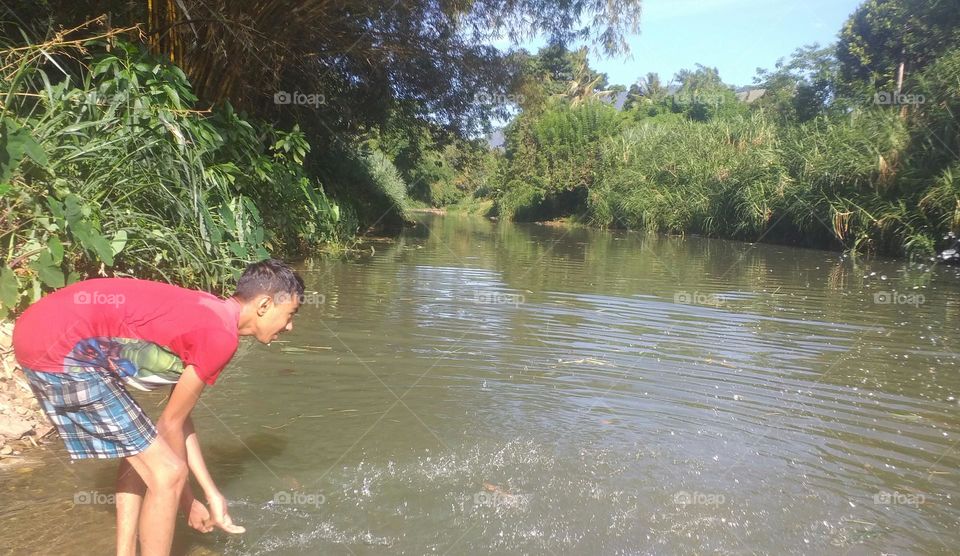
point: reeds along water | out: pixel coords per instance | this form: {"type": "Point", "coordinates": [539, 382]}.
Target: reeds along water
{"type": "Point", "coordinates": [877, 179]}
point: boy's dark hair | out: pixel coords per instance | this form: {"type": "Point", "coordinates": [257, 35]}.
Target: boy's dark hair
{"type": "Point", "coordinates": [268, 277]}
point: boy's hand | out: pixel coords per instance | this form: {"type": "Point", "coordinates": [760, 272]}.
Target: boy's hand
{"type": "Point", "coordinates": [219, 516]}
{"type": "Point", "coordinates": [198, 517]}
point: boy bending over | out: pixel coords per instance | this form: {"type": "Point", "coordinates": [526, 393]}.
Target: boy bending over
{"type": "Point", "coordinates": [81, 346]}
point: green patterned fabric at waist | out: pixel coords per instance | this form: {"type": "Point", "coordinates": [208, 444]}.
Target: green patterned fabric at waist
{"type": "Point", "coordinates": [141, 364]}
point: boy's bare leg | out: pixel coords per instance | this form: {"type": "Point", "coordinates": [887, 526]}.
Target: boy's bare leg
{"type": "Point", "coordinates": [164, 472]}
{"type": "Point", "coordinates": [129, 498]}
{"type": "Point", "coordinates": [163, 467]}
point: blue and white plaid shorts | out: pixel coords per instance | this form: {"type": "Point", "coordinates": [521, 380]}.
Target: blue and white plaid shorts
{"type": "Point", "coordinates": [93, 412]}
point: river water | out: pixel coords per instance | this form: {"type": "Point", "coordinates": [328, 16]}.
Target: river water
{"type": "Point", "coordinates": [475, 387]}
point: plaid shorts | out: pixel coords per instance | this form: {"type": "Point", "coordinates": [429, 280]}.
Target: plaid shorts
{"type": "Point", "coordinates": [93, 412]}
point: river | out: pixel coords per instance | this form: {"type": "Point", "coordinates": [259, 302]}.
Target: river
{"type": "Point", "coordinates": [476, 387]}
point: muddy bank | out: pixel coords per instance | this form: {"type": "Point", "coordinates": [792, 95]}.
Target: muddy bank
{"type": "Point", "coordinates": [22, 423]}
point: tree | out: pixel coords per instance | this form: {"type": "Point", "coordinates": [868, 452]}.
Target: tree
{"type": "Point", "coordinates": [556, 73]}
{"type": "Point", "coordinates": [586, 83]}
{"type": "Point", "coordinates": [359, 57]}
{"type": "Point", "coordinates": [651, 86]}
{"type": "Point", "coordinates": [802, 87]}
{"type": "Point", "coordinates": [886, 39]}
{"type": "Point", "coordinates": [645, 94]}
{"type": "Point", "coordinates": [701, 79]}
{"type": "Point", "coordinates": [703, 95]}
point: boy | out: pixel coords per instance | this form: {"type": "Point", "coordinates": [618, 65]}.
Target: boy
{"type": "Point", "coordinates": [80, 345]}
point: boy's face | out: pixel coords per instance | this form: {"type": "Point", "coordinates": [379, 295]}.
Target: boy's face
{"type": "Point", "coordinates": [275, 315]}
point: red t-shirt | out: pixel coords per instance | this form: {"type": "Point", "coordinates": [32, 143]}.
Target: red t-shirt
{"type": "Point", "coordinates": [197, 326]}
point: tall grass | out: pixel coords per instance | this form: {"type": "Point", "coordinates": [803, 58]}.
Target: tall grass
{"type": "Point", "coordinates": [875, 178]}
{"type": "Point", "coordinates": [691, 176]}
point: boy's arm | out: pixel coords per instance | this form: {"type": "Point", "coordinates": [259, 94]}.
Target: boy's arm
{"type": "Point", "coordinates": [177, 428]}
{"type": "Point", "coordinates": [195, 460]}
{"type": "Point", "coordinates": [197, 515]}
{"type": "Point", "coordinates": [216, 501]}
{"type": "Point", "coordinates": [182, 401]}
{"type": "Point", "coordinates": [170, 425]}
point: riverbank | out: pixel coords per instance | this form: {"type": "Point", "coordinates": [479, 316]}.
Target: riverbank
{"type": "Point", "coordinates": [22, 422]}
{"type": "Point", "coordinates": [856, 176]}
{"type": "Point", "coordinates": [428, 210]}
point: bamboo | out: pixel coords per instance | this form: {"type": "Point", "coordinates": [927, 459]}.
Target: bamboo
{"type": "Point", "coordinates": [150, 24]}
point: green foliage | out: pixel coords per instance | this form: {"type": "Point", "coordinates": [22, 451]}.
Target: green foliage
{"type": "Point", "coordinates": [684, 176]}
{"type": "Point", "coordinates": [883, 34]}
{"type": "Point", "coordinates": [648, 92]}
{"type": "Point", "coordinates": [936, 141]}
{"type": "Point", "coordinates": [558, 74]}
{"type": "Point", "coordinates": [439, 168]}
{"type": "Point", "coordinates": [936, 126]}
{"type": "Point", "coordinates": [521, 200]}
{"type": "Point", "coordinates": [942, 201]}
{"type": "Point", "coordinates": [368, 184]}
{"type": "Point", "coordinates": [364, 57]}
{"type": "Point", "coordinates": [818, 160]}
{"type": "Point", "coordinates": [387, 180]}
{"type": "Point", "coordinates": [802, 87]}
{"type": "Point", "coordinates": [432, 180]}
{"type": "Point", "coordinates": [700, 96]}
{"type": "Point", "coordinates": [110, 171]}
{"type": "Point", "coordinates": [479, 169]}
{"type": "Point", "coordinates": [836, 181]}
{"type": "Point", "coordinates": [556, 153]}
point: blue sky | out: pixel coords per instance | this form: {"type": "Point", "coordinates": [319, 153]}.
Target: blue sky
{"type": "Point", "coordinates": [735, 36]}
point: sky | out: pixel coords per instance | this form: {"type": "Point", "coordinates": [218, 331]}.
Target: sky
{"type": "Point", "coordinates": [735, 36]}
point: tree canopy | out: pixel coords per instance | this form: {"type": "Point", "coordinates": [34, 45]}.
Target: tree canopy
{"type": "Point", "coordinates": [359, 58]}
{"type": "Point", "coordinates": [883, 34]}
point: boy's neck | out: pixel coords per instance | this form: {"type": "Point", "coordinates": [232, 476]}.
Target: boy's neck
{"type": "Point", "coordinates": [246, 315]}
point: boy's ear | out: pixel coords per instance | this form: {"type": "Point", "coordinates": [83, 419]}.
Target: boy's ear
{"type": "Point", "coordinates": [263, 304]}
